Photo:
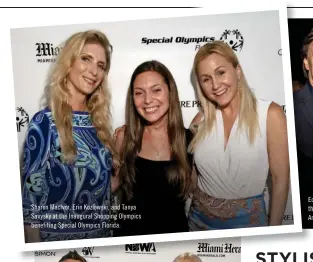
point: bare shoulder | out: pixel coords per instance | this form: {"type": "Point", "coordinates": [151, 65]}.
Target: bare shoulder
{"type": "Point", "coordinates": [276, 119]}
{"type": "Point", "coordinates": [275, 113]}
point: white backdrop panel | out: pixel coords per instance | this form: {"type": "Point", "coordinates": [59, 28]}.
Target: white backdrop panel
{"type": "Point", "coordinates": [259, 57]}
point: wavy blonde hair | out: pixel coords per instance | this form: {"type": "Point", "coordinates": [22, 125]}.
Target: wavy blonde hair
{"type": "Point", "coordinates": [57, 94]}
{"type": "Point", "coordinates": [248, 115]}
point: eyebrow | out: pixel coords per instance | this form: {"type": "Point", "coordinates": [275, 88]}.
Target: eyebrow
{"type": "Point", "coordinates": [90, 56]}
{"type": "Point", "coordinates": [219, 67]}
{"type": "Point", "coordinates": [148, 87]}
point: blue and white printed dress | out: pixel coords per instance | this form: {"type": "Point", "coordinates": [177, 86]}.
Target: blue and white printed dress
{"type": "Point", "coordinates": [66, 201]}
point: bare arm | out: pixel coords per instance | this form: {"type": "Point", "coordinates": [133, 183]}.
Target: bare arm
{"type": "Point", "coordinates": [193, 128]}
{"type": "Point", "coordinates": [194, 178]}
{"type": "Point", "coordinates": [118, 141]}
{"type": "Point", "coordinates": [277, 147]}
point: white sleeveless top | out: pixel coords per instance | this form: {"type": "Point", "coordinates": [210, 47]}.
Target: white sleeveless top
{"type": "Point", "coordinates": [242, 169]}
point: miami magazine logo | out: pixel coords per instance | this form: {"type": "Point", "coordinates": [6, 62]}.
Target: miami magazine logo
{"type": "Point", "coordinates": [22, 118]}
{"type": "Point", "coordinates": [141, 248]}
{"type": "Point", "coordinates": [233, 38]}
{"type": "Point", "coordinates": [46, 52]}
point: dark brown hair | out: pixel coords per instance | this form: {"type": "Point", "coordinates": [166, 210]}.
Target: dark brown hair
{"type": "Point", "coordinates": [179, 172]}
{"type": "Point", "coordinates": [304, 50]}
{"type": "Point", "coordinates": [73, 255]}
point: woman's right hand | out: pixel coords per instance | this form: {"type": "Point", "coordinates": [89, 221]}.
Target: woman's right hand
{"type": "Point", "coordinates": [115, 183]}
{"type": "Point", "coordinates": [118, 132]}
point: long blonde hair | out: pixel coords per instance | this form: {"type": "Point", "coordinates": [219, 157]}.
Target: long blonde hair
{"type": "Point", "coordinates": [179, 171]}
{"type": "Point", "coordinates": [248, 115]}
{"type": "Point", "coordinates": [57, 94]}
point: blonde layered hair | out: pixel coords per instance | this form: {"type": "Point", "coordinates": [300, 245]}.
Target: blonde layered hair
{"type": "Point", "coordinates": [187, 256]}
{"type": "Point", "coordinates": [57, 94]}
{"type": "Point", "coordinates": [248, 115]}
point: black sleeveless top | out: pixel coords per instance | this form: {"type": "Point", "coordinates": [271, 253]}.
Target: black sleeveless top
{"type": "Point", "coordinates": [159, 208]}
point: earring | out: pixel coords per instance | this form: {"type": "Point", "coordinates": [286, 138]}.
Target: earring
{"type": "Point", "coordinates": [65, 81]}
{"type": "Point", "coordinates": [239, 88]}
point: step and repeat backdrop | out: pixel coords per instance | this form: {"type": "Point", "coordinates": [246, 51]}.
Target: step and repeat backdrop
{"type": "Point", "coordinates": [254, 36]}
{"type": "Point", "coordinates": [217, 250]}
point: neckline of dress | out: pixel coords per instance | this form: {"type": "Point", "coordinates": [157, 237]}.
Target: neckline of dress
{"type": "Point", "coordinates": [152, 160]}
{"type": "Point", "coordinates": [221, 125]}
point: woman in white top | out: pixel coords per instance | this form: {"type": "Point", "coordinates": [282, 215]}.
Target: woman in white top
{"type": "Point", "coordinates": [239, 140]}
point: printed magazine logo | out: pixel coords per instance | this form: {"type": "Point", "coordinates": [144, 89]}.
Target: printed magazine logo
{"type": "Point", "coordinates": [45, 254]}
{"type": "Point", "coordinates": [208, 250]}
{"type": "Point", "coordinates": [88, 252]}
{"type": "Point", "coordinates": [141, 248]}
{"type": "Point", "coordinates": [233, 38]}
{"type": "Point", "coordinates": [46, 52]}
{"type": "Point", "coordinates": [22, 118]}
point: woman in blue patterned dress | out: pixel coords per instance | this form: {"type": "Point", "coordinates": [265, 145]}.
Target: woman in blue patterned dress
{"type": "Point", "coordinates": [68, 154]}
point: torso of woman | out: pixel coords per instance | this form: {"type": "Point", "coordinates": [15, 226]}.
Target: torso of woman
{"type": "Point", "coordinates": [75, 198]}
{"type": "Point", "coordinates": [238, 170]}
{"type": "Point", "coordinates": [231, 177]}
{"type": "Point", "coordinates": [159, 208]}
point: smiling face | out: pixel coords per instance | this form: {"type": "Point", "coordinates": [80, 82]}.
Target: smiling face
{"type": "Point", "coordinates": [87, 71]}
{"type": "Point", "coordinates": [151, 96]}
{"type": "Point", "coordinates": [218, 79]}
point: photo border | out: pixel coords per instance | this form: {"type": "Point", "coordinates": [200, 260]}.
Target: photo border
{"type": "Point", "coordinates": [269, 230]}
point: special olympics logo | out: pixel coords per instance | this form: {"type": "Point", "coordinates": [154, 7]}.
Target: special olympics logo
{"type": "Point", "coordinates": [233, 38]}
{"type": "Point", "coordinates": [22, 118]}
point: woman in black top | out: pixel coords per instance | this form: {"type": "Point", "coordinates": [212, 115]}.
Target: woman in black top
{"type": "Point", "coordinates": [155, 175]}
